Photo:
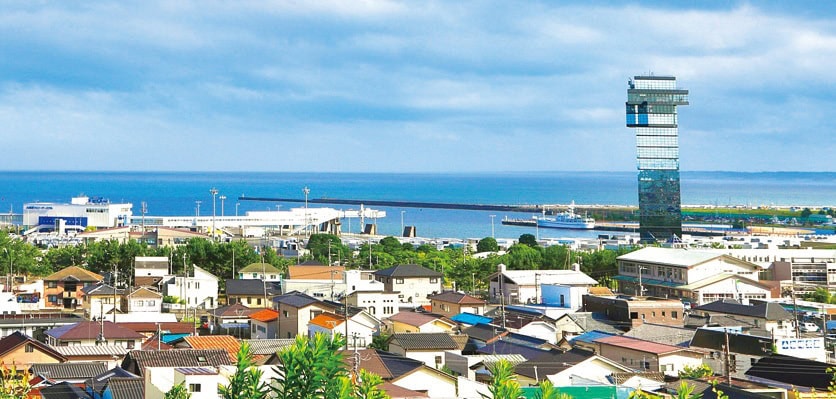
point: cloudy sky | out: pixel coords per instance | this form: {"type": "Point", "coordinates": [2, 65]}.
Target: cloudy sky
{"type": "Point", "coordinates": [408, 86]}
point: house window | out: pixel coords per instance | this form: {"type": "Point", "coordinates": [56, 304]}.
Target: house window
{"type": "Point", "coordinates": [30, 348]}
{"type": "Point", "coordinates": [53, 298]}
{"type": "Point", "coordinates": [255, 275]}
{"type": "Point", "coordinates": [286, 314]}
{"type": "Point", "coordinates": [194, 387]}
{"type": "Point", "coordinates": [634, 315]}
{"type": "Point", "coordinates": [674, 315]}
{"type": "Point", "coordinates": [52, 284]}
{"type": "Point", "coordinates": [433, 280]}
{"type": "Point", "coordinates": [438, 360]}
{"type": "Point", "coordinates": [150, 302]}
{"type": "Point", "coordinates": [398, 281]}
{"type": "Point", "coordinates": [646, 365]}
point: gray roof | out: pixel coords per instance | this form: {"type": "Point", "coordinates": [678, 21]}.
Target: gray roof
{"type": "Point", "coordinates": [484, 332]}
{"type": "Point", "coordinates": [151, 262]}
{"type": "Point", "coordinates": [127, 388]}
{"type": "Point", "coordinates": [670, 256]}
{"type": "Point", "coordinates": [593, 321]}
{"type": "Point", "coordinates": [296, 299]}
{"type": "Point", "coordinates": [92, 350]}
{"type": "Point", "coordinates": [407, 271]}
{"type": "Point", "coordinates": [766, 310]}
{"type": "Point", "coordinates": [136, 361]}
{"type": "Point", "coordinates": [662, 334]}
{"type": "Point", "coordinates": [68, 371]}
{"type": "Point", "coordinates": [101, 289]}
{"type": "Point", "coordinates": [424, 341]}
{"type": "Point", "coordinates": [63, 390]}
{"type": "Point", "coordinates": [251, 287]}
{"type": "Point", "coordinates": [268, 346]}
{"type": "Point", "coordinates": [738, 343]}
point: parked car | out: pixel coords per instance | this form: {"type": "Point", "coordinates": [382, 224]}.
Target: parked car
{"type": "Point", "coordinates": [808, 327]}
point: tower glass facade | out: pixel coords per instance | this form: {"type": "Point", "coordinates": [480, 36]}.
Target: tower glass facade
{"type": "Point", "coordinates": [651, 110]}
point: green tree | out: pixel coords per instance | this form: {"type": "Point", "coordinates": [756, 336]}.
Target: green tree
{"type": "Point", "coordinates": [325, 247]}
{"type": "Point", "coordinates": [528, 239]}
{"type": "Point", "coordinates": [556, 257]}
{"type": "Point", "coordinates": [548, 391]}
{"type": "Point", "coordinates": [246, 382]}
{"type": "Point", "coordinates": [14, 383]}
{"type": "Point", "coordinates": [523, 257]}
{"type": "Point", "coordinates": [504, 384]}
{"type": "Point", "coordinates": [178, 391]}
{"type": "Point", "coordinates": [805, 213]}
{"type": "Point", "coordinates": [487, 244]}
{"type": "Point", "coordinates": [701, 371]}
{"type": "Point", "coordinates": [366, 387]}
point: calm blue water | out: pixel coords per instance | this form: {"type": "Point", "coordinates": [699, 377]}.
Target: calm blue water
{"type": "Point", "coordinates": [175, 193]}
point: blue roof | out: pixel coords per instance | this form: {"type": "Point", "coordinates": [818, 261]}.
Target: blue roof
{"type": "Point", "coordinates": [169, 338]}
{"type": "Point", "coordinates": [591, 336]}
{"type": "Point", "coordinates": [470, 318]}
{"type": "Point", "coordinates": [58, 332]}
{"type": "Point", "coordinates": [831, 325]}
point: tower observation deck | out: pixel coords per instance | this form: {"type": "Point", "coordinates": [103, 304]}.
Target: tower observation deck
{"type": "Point", "coordinates": [651, 110]}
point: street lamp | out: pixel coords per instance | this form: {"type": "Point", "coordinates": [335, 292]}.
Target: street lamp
{"type": "Point", "coordinates": [306, 191]}
{"type": "Point", "coordinates": [9, 280]}
{"type": "Point", "coordinates": [214, 192]}
{"type": "Point", "coordinates": [236, 208]}
{"type": "Point", "coordinates": [197, 210]}
{"type": "Point", "coordinates": [493, 235]}
{"type": "Point", "coordinates": [402, 231]}
{"type": "Point", "coordinates": [222, 198]}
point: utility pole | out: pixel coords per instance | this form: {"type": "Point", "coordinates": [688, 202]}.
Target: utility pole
{"type": "Point", "coordinates": [306, 191]}
{"type": "Point", "coordinates": [214, 192]}
{"type": "Point", "coordinates": [493, 235]}
{"type": "Point", "coordinates": [728, 357]}
{"type": "Point", "coordinates": [114, 293]}
{"type": "Point", "coordinates": [222, 198]}
{"type": "Point", "coordinates": [501, 297]}
{"type": "Point", "coordinates": [795, 308]}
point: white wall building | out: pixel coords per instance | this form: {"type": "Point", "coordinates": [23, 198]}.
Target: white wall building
{"type": "Point", "coordinates": [81, 212]}
{"type": "Point", "coordinates": [201, 382]}
{"type": "Point", "coordinates": [525, 286]}
{"type": "Point", "coordinates": [200, 290]}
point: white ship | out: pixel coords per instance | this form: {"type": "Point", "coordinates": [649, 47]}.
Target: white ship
{"type": "Point", "coordinates": [566, 220]}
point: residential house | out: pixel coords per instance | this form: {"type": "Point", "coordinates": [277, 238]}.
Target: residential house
{"type": "Point", "coordinates": [151, 266]}
{"type": "Point", "coordinates": [503, 347]}
{"type": "Point", "coordinates": [525, 286]}
{"type": "Point", "coordinates": [450, 303]}
{"type": "Point", "coordinates": [149, 329]}
{"type": "Point", "coordinates": [74, 373]}
{"type": "Point", "coordinates": [525, 321]}
{"type": "Point", "coordinates": [574, 324]}
{"type": "Point", "coordinates": [744, 349]}
{"type": "Point", "coordinates": [101, 299]}
{"type": "Point", "coordinates": [260, 271]}
{"type": "Point", "coordinates": [21, 350]}
{"type": "Point", "coordinates": [404, 372]}
{"type": "Point", "coordinates": [200, 290]}
{"type": "Point", "coordinates": [34, 324]}
{"type": "Point", "coordinates": [649, 356]}
{"type": "Point", "coordinates": [252, 293]}
{"type": "Point", "coordinates": [264, 324]}
{"type": "Point", "coordinates": [361, 328]}
{"type": "Point", "coordinates": [635, 311]}
{"type": "Point", "coordinates": [318, 281]}
{"type": "Point", "coordinates": [296, 310]}
{"type": "Point", "coordinates": [484, 334]}
{"type": "Point", "coordinates": [699, 276]}
{"type": "Point", "coordinates": [676, 336]}
{"type": "Point", "coordinates": [232, 319]}
{"type": "Point", "coordinates": [469, 319]}
{"type": "Point", "coordinates": [201, 382]}
{"type": "Point", "coordinates": [768, 317]}
{"type": "Point", "coordinates": [143, 300]}
{"type": "Point", "coordinates": [115, 383]}
{"type": "Point", "coordinates": [411, 321]}
{"type": "Point", "coordinates": [94, 333]}
{"type": "Point", "coordinates": [30, 296]}
{"type": "Point", "coordinates": [378, 303]}
{"type": "Point", "coordinates": [783, 371]}
{"type": "Point", "coordinates": [426, 347]}
{"type": "Point", "coordinates": [566, 368]}
{"type": "Point", "coordinates": [9, 304]}
{"type": "Point", "coordinates": [138, 360]}
{"type": "Point", "coordinates": [413, 283]}
{"type": "Point", "coordinates": [64, 288]}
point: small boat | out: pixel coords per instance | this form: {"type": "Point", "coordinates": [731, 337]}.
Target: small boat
{"type": "Point", "coordinates": [565, 220]}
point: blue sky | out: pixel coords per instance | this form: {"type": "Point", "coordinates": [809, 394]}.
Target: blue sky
{"type": "Point", "coordinates": [408, 86]}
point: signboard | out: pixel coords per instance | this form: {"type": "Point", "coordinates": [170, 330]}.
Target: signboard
{"type": "Point", "coordinates": [805, 348]}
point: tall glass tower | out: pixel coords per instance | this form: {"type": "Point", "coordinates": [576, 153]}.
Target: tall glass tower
{"type": "Point", "coordinates": [651, 110]}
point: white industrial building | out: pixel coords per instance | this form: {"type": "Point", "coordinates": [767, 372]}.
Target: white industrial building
{"type": "Point", "coordinates": [80, 213]}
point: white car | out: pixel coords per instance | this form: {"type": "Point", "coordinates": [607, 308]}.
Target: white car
{"type": "Point", "coordinates": [808, 327]}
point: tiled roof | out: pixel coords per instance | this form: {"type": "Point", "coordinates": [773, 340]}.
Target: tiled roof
{"type": "Point", "coordinates": [456, 297]}
{"type": "Point", "coordinates": [127, 388]}
{"type": "Point", "coordinates": [265, 315]}
{"type": "Point", "coordinates": [166, 327]}
{"type": "Point", "coordinates": [151, 281]}
{"type": "Point", "coordinates": [69, 371]}
{"type": "Point", "coordinates": [639, 345]}
{"type": "Point", "coordinates": [662, 334]}
{"type": "Point", "coordinates": [327, 320]}
{"type": "Point", "coordinates": [136, 361]}
{"type": "Point", "coordinates": [16, 339]}
{"type": "Point", "coordinates": [101, 289]}
{"type": "Point", "coordinates": [63, 390]}
{"type": "Point", "coordinates": [226, 342]}
{"type": "Point", "coordinates": [509, 348]}
{"type": "Point", "coordinates": [387, 365]}
{"type": "Point", "coordinates": [76, 272]}
{"type": "Point", "coordinates": [423, 341]}
{"type": "Point", "coordinates": [153, 343]}
{"type": "Point", "coordinates": [196, 371]}
{"type": "Point", "coordinates": [252, 287]}
{"type": "Point", "coordinates": [407, 271]}
{"type": "Point", "coordinates": [234, 310]}
{"type": "Point", "coordinates": [551, 362]}
{"type": "Point", "coordinates": [92, 350]}
{"type": "Point", "coordinates": [396, 392]}
{"type": "Point", "coordinates": [259, 267]}
{"type": "Point", "coordinates": [589, 321]}
{"type": "Point", "coordinates": [315, 272]}
{"type": "Point", "coordinates": [485, 332]}
{"type": "Point", "coordinates": [143, 292]}
{"type": "Point", "coordinates": [786, 369]}
{"type": "Point", "coordinates": [99, 383]}
{"type": "Point", "coordinates": [766, 310]}
{"type": "Point", "coordinates": [415, 319]}
{"type": "Point", "coordinates": [738, 343]}
{"type": "Point", "coordinates": [295, 299]}
{"type": "Point", "coordinates": [91, 330]}
{"type": "Point", "coordinates": [268, 346]}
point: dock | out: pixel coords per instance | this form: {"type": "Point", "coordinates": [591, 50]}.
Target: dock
{"type": "Point", "coordinates": [404, 204]}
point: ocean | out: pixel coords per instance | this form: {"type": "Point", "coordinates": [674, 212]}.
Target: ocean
{"type": "Point", "coordinates": [175, 193]}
